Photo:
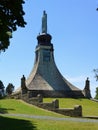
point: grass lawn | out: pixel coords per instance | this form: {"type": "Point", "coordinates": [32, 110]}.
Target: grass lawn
{"type": "Point", "coordinates": [90, 108]}
{"type": "Point", "coordinates": [64, 125]}
{"type": "Point", "coordinates": [17, 123]}
{"type": "Point", "coordinates": [20, 107]}
{"type": "Point", "coordinates": [9, 123]}
{"type": "Point", "coordinates": [38, 124]}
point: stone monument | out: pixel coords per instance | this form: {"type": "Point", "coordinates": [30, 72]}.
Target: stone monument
{"type": "Point", "coordinates": [45, 78]}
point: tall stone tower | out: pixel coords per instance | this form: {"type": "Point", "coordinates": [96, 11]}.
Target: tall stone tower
{"type": "Point", "coordinates": [45, 77]}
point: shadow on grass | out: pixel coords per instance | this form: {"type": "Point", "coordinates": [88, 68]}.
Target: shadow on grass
{"type": "Point", "coordinates": [4, 110]}
{"type": "Point", "coordinates": [7, 123]}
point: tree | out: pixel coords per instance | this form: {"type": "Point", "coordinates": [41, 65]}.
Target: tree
{"type": "Point", "coordinates": [11, 16]}
{"type": "Point", "coordinates": [10, 89]}
{"type": "Point", "coordinates": [96, 74]}
{"type": "Point", "coordinates": [96, 96]}
{"type": "Point", "coordinates": [1, 89]}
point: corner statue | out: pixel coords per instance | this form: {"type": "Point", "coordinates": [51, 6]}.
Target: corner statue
{"type": "Point", "coordinates": [23, 85]}
{"type": "Point", "coordinates": [44, 23]}
{"type": "Point", "coordinates": [86, 90]}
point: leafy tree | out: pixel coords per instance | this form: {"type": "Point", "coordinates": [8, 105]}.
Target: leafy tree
{"type": "Point", "coordinates": [1, 89]}
{"type": "Point", "coordinates": [96, 74]}
{"type": "Point", "coordinates": [10, 89]}
{"type": "Point", "coordinates": [11, 16]}
{"type": "Point", "coordinates": [96, 96]}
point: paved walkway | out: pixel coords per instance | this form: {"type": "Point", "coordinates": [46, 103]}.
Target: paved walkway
{"type": "Point", "coordinates": [53, 118]}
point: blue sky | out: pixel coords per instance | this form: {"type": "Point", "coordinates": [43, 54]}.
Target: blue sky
{"type": "Point", "coordinates": [73, 25]}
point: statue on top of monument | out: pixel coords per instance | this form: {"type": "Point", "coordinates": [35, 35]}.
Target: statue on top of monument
{"type": "Point", "coordinates": [86, 90]}
{"type": "Point", "coordinates": [87, 84]}
{"type": "Point", "coordinates": [23, 85]}
{"type": "Point", "coordinates": [44, 22]}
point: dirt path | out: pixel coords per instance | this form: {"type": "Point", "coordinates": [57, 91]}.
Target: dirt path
{"type": "Point", "coordinates": [52, 118]}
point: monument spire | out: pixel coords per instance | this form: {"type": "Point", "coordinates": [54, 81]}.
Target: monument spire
{"type": "Point", "coordinates": [44, 38]}
{"type": "Point", "coordinates": [44, 22]}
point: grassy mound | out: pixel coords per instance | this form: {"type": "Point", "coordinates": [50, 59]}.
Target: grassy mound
{"type": "Point", "coordinates": [20, 107]}
{"type": "Point", "coordinates": [20, 123]}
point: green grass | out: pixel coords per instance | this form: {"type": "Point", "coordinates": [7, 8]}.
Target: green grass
{"type": "Point", "coordinates": [90, 108]}
{"type": "Point", "coordinates": [20, 107]}
{"type": "Point", "coordinates": [64, 125]}
{"type": "Point", "coordinates": [17, 123]}
{"type": "Point", "coordinates": [8, 123]}
{"type": "Point", "coordinates": [38, 124]}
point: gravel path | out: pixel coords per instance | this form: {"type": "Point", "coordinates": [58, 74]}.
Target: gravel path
{"type": "Point", "coordinates": [53, 118]}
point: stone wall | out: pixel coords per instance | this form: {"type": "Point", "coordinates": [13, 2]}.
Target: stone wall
{"type": "Point", "coordinates": [50, 106]}
{"type": "Point", "coordinates": [53, 106]}
{"type": "Point", "coordinates": [55, 94]}
{"type": "Point", "coordinates": [73, 112]}
{"type": "Point", "coordinates": [95, 100]}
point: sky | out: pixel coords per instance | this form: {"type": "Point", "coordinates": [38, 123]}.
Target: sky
{"type": "Point", "coordinates": [73, 25]}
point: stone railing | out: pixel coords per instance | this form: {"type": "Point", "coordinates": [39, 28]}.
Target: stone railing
{"type": "Point", "coordinates": [53, 106]}
{"type": "Point", "coordinates": [95, 100]}
{"type": "Point", "coordinates": [50, 106]}
{"type": "Point", "coordinates": [73, 112]}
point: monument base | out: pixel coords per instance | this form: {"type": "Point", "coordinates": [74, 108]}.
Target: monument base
{"type": "Point", "coordinates": [56, 94]}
